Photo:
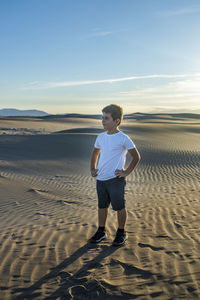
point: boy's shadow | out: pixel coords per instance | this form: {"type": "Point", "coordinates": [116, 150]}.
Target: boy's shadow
{"type": "Point", "coordinates": [78, 283]}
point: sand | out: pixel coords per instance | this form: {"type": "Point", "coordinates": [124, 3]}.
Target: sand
{"type": "Point", "coordinates": [48, 211]}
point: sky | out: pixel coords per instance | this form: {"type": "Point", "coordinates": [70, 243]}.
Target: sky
{"type": "Point", "coordinates": [64, 56]}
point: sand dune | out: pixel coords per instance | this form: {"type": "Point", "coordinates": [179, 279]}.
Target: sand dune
{"type": "Point", "coordinates": [48, 212]}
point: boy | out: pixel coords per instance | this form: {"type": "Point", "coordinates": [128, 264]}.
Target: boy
{"type": "Point", "coordinates": [112, 145]}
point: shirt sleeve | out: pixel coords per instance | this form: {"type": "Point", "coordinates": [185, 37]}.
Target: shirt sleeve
{"type": "Point", "coordinates": [96, 144]}
{"type": "Point", "coordinates": [128, 143]}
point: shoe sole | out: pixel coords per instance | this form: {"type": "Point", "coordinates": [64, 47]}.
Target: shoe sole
{"type": "Point", "coordinates": [99, 240]}
{"type": "Point", "coordinates": [119, 244]}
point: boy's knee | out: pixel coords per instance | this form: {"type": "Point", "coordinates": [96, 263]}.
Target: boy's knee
{"type": "Point", "coordinates": [118, 209]}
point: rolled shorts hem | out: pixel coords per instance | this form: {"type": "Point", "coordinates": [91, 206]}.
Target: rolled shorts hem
{"type": "Point", "coordinates": [116, 209]}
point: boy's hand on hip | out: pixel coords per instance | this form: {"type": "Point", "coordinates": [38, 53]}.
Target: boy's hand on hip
{"type": "Point", "coordinates": [120, 173]}
{"type": "Point", "coordinates": [94, 172]}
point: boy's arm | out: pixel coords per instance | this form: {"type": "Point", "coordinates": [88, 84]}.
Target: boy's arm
{"type": "Point", "coordinates": [135, 159]}
{"type": "Point", "coordinates": [94, 159]}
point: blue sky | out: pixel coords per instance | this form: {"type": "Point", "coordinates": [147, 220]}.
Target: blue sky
{"type": "Point", "coordinates": [66, 56]}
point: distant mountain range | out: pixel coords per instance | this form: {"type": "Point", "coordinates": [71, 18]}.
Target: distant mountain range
{"type": "Point", "coordinates": [9, 112]}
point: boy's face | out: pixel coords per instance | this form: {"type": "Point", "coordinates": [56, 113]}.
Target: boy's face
{"type": "Point", "coordinates": [108, 122]}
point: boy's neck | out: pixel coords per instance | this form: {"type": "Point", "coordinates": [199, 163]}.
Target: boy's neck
{"type": "Point", "coordinates": [112, 131]}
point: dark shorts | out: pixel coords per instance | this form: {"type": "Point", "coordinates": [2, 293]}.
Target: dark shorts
{"type": "Point", "coordinates": [111, 191]}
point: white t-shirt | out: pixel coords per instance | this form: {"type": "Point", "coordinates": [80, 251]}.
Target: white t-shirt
{"type": "Point", "coordinates": [113, 153]}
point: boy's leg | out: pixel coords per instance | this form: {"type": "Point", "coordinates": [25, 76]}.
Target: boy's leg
{"type": "Point", "coordinates": [101, 232]}
{"type": "Point", "coordinates": [121, 216]}
{"type": "Point", "coordinates": [102, 213]}
{"type": "Point", "coordinates": [116, 192]}
{"type": "Point", "coordinates": [121, 235]}
{"type": "Point", "coordinates": [103, 201]}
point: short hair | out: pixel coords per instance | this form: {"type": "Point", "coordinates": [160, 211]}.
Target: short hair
{"type": "Point", "coordinates": [115, 110]}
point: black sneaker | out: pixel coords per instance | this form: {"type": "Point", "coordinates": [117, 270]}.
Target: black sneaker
{"type": "Point", "coordinates": [98, 236]}
{"type": "Point", "coordinates": [120, 239]}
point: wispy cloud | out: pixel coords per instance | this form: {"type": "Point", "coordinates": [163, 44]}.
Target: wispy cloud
{"type": "Point", "coordinates": [180, 11]}
{"type": "Point", "coordinates": [97, 32]}
{"type": "Point", "coordinates": [100, 33]}
{"type": "Point", "coordinates": [181, 95]}
{"type": "Point", "coordinates": [48, 85]}
{"type": "Point", "coordinates": [181, 91]}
